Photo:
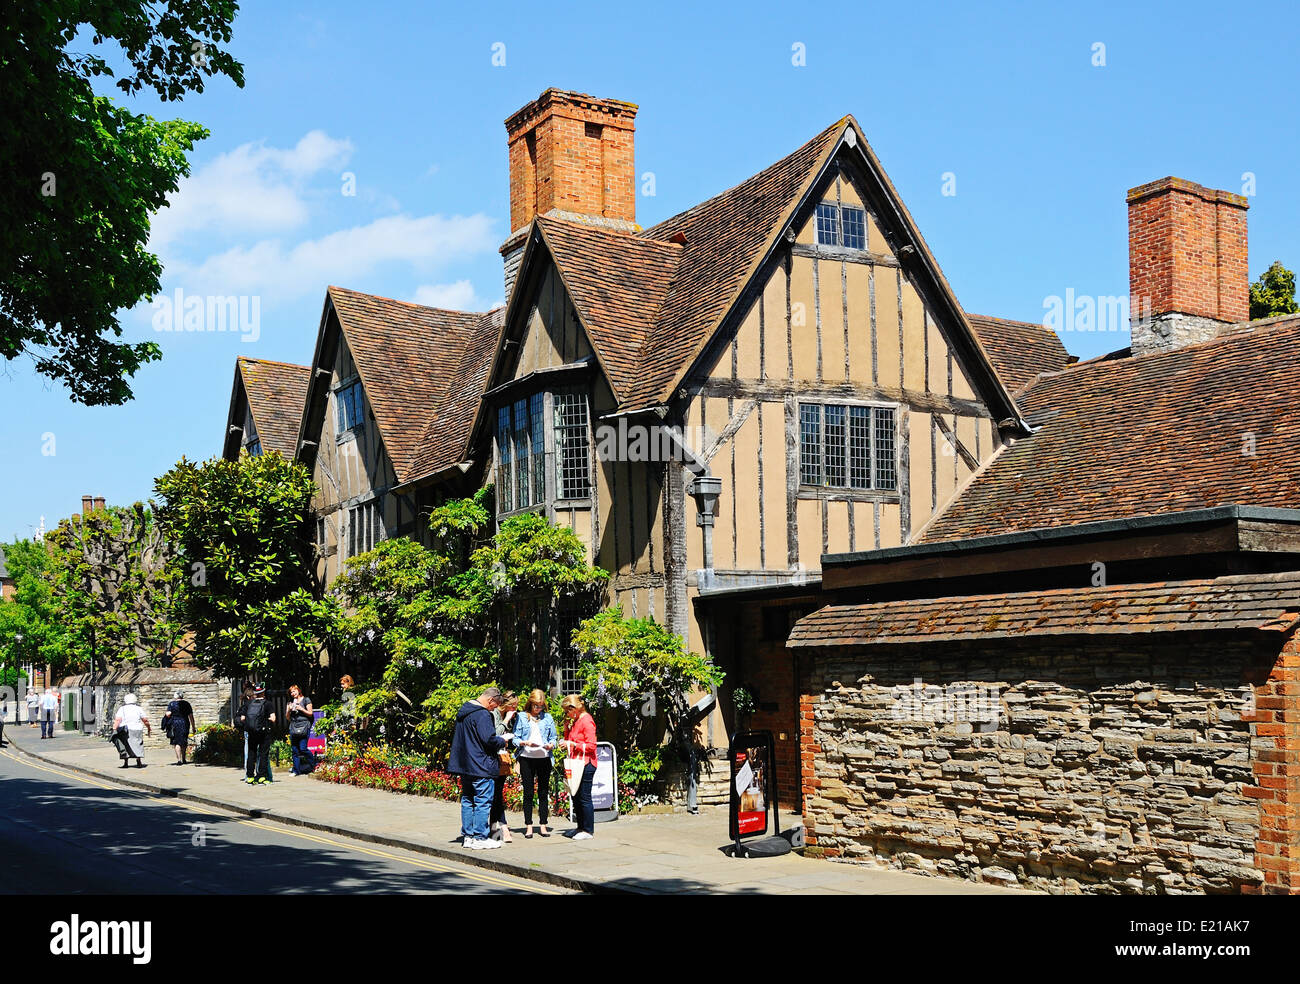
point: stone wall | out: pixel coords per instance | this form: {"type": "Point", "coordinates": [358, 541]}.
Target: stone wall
{"type": "Point", "coordinates": [1111, 765]}
{"type": "Point", "coordinates": [153, 687]}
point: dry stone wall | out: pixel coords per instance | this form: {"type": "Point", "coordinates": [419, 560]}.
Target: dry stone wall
{"type": "Point", "coordinates": [1106, 766]}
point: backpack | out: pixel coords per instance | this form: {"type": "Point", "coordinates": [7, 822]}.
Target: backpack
{"type": "Point", "coordinates": [255, 716]}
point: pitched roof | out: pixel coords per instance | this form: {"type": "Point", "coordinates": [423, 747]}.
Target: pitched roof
{"type": "Point", "coordinates": [725, 238]}
{"type": "Point", "coordinates": [276, 393]}
{"type": "Point", "coordinates": [1205, 425]}
{"type": "Point", "coordinates": [618, 282]}
{"type": "Point", "coordinates": [1019, 350]}
{"type": "Point", "coordinates": [1243, 602]}
{"type": "Point", "coordinates": [412, 360]}
{"type": "Point", "coordinates": [446, 437]}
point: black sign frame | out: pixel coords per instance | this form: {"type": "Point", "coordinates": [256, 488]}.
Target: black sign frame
{"type": "Point", "coordinates": [748, 741]}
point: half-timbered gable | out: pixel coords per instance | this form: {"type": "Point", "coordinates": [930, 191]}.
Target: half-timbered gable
{"type": "Point", "coordinates": [382, 374]}
{"type": "Point", "coordinates": [265, 407]}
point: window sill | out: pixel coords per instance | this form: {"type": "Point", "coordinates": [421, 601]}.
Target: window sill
{"type": "Point", "coordinates": [849, 495]}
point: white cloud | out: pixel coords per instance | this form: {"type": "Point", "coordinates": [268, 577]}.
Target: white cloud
{"type": "Point", "coordinates": [458, 296]}
{"type": "Point", "coordinates": [252, 189]}
{"type": "Point", "coordinates": [275, 272]}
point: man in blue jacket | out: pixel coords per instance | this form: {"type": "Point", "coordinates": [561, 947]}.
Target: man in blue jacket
{"type": "Point", "coordinates": [474, 749]}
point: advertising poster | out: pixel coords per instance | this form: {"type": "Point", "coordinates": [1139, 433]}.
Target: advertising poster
{"type": "Point", "coordinates": [751, 760]}
{"type": "Point", "coordinates": [604, 788]}
{"type": "Point", "coordinates": [315, 742]}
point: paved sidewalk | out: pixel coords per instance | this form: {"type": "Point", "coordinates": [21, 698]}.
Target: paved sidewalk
{"type": "Point", "coordinates": [650, 854]}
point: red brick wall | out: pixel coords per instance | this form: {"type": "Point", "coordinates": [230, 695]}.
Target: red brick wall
{"type": "Point", "coordinates": [1276, 727]}
{"type": "Point", "coordinates": [573, 153]}
{"type": "Point", "coordinates": [1187, 251]}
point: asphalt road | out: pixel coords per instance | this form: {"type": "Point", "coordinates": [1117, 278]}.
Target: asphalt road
{"type": "Point", "coordinates": [63, 834]}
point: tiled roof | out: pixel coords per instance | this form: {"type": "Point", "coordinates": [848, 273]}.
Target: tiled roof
{"type": "Point", "coordinates": [446, 438]}
{"type": "Point", "coordinates": [277, 392]}
{"type": "Point", "coordinates": [1206, 425]}
{"type": "Point", "coordinates": [1019, 350]}
{"type": "Point", "coordinates": [618, 283]}
{"type": "Point", "coordinates": [1243, 602]}
{"type": "Point", "coordinates": [725, 238]}
{"type": "Point", "coordinates": [410, 358]}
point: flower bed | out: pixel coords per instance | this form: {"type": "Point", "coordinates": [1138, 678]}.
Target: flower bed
{"type": "Point", "coordinates": [381, 768]}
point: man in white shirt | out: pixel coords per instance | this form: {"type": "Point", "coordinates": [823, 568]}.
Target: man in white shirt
{"type": "Point", "coordinates": [49, 711]}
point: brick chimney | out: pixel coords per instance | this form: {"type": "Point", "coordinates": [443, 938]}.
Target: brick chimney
{"type": "Point", "coordinates": [1187, 263]}
{"type": "Point", "coordinates": [87, 506]}
{"type": "Point", "coordinates": [571, 157]}
{"type": "Point", "coordinates": [99, 503]}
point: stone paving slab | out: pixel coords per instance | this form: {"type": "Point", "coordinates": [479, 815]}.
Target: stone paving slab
{"type": "Point", "coordinates": [647, 854]}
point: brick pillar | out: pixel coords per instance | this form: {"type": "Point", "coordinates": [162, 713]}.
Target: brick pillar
{"type": "Point", "coordinates": [1275, 743]}
{"type": "Point", "coordinates": [808, 749]}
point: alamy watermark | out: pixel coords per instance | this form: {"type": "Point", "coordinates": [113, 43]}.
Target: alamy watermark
{"type": "Point", "coordinates": [1093, 312]}
{"type": "Point", "coordinates": [947, 704]}
{"type": "Point", "coordinates": [240, 314]}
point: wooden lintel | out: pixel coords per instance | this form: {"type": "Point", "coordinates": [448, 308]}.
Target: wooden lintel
{"type": "Point", "coordinates": [779, 390]}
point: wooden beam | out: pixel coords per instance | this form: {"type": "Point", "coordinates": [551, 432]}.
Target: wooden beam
{"type": "Point", "coordinates": [1219, 538]}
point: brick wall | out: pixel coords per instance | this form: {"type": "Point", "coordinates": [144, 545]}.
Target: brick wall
{"type": "Point", "coordinates": [1187, 251]}
{"type": "Point", "coordinates": [1275, 763]}
{"type": "Point", "coordinates": [573, 154]}
{"type": "Point", "coordinates": [1113, 766]}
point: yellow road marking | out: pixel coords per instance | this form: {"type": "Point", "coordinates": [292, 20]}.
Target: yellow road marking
{"type": "Point", "coordinates": [284, 830]}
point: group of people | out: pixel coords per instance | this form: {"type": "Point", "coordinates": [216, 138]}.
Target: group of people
{"type": "Point", "coordinates": [131, 724]}
{"type": "Point", "coordinates": [43, 708]}
{"type": "Point", "coordinates": [488, 729]}
{"type": "Point", "coordinates": [257, 717]}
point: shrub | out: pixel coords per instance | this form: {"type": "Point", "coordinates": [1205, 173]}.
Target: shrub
{"type": "Point", "coordinates": [219, 744]}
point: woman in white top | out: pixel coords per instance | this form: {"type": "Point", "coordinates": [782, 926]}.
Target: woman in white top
{"type": "Point", "coordinates": [535, 738]}
{"type": "Point", "coordinates": [131, 716]}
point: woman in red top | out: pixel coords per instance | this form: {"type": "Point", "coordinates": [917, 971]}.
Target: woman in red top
{"type": "Point", "coordinates": [580, 745]}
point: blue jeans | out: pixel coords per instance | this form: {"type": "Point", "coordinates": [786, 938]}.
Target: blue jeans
{"type": "Point", "coordinates": [475, 806]}
{"type": "Point", "coordinates": [47, 724]}
{"type": "Point", "coordinates": [303, 760]}
{"type": "Point", "coordinates": [584, 811]}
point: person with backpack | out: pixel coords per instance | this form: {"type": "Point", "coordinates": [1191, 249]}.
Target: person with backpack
{"type": "Point", "coordinates": [301, 718]}
{"type": "Point", "coordinates": [256, 718]}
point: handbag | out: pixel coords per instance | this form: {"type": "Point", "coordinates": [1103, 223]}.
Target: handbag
{"type": "Point", "coordinates": [300, 726]}
{"type": "Point", "coordinates": [505, 763]}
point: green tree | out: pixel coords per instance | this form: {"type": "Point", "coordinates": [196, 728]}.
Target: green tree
{"type": "Point", "coordinates": [1273, 293]}
{"type": "Point", "coordinates": [32, 612]}
{"type": "Point", "coordinates": [83, 175]}
{"type": "Point", "coordinates": [423, 625]}
{"type": "Point", "coordinates": [644, 673]}
{"type": "Point", "coordinates": [113, 588]}
{"type": "Point", "coordinates": [244, 564]}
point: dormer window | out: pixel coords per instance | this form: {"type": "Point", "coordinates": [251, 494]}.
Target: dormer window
{"type": "Point", "coordinates": [349, 406]}
{"type": "Point", "coordinates": [841, 225]}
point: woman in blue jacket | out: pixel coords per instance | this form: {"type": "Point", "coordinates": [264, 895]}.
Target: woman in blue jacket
{"type": "Point", "coordinates": [535, 739]}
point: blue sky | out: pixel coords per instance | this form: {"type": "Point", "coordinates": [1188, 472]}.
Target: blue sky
{"type": "Point", "coordinates": [1006, 98]}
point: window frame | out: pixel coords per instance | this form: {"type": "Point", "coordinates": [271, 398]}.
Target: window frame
{"type": "Point", "coordinates": [837, 210]}
{"type": "Point", "coordinates": [375, 531]}
{"type": "Point", "coordinates": [341, 402]}
{"type": "Point", "coordinates": [848, 490]}
{"type": "Point", "coordinates": [545, 453]}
